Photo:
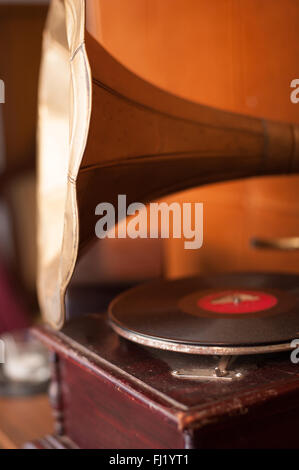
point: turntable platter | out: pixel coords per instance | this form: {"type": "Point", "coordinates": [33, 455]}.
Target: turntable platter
{"type": "Point", "coordinates": [238, 313]}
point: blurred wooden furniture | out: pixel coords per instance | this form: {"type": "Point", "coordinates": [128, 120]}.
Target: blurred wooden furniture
{"type": "Point", "coordinates": [21, 26]}
{"type": "Point", "coordinates": [24, 419]}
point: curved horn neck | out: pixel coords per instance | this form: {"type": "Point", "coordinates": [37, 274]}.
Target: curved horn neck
{"type": "Point", "coordinates": [146, 143]}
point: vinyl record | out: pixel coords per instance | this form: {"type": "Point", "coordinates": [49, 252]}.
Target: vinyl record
{"type": "Point", "coordinates": [238, 310]}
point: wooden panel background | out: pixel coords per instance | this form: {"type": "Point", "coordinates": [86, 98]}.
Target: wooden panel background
{"type": "Point", "coordinates": [20, 47]}
{"type": "Point", "coordinates": [21, 29]}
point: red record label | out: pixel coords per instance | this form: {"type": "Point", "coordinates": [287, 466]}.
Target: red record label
{"type": "Point", "coordinates": [237, 302]}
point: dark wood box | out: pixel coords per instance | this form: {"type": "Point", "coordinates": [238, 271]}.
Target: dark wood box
{"type": "Point", "coordinates": [109, 393]}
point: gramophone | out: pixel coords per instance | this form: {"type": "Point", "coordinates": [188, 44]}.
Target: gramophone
{"type": "Point", "coordinates": [190, 363]}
